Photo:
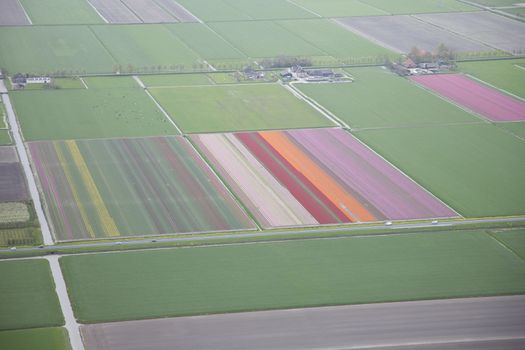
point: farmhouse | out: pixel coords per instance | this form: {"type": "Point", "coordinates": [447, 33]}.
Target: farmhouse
{"type": "Point", "coordinates": [38, 80]}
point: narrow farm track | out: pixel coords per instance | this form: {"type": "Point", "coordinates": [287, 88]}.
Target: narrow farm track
{"type": "Point", "coordinates": [24, 160]}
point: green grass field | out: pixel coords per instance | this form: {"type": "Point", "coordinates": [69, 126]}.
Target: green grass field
{"type": "Point", "coordinates": [37, 338]}
{"type": "Point", "coordinates": [5, 138]}
{"type": "Point", "coordinates": [112, 82]}
{"type": "Point", "coordinates": [342, 44]}
{"type": "Point", "coordinates": [220, 10]}
{"type": "Point", "coordinates": [61, 12]}
{"type": "Point", "coordinates": [3, 116]}
{"type": "Point", "coordinates": [108, 287]}
{"type": "Point", "coordinates": [341, 8]}
{"type": "Point", "coordinates": [516, 128]}
{"type": "Point", "coordinates": [28, 295]}
{"type": "Point", "coordinates": [204, 41]}
{"type": "Point", "coordinates": [508, 75]}
{"type": "Point", "coordinates": [93, 113]}
{"type": "Point", "coordinates": [517, 11]}
{"type": "Point", "coordinates": [236, 107]}
{"type": "Point", "coordinates": [378, 98]}
{"type": "Point", "coordinates": [50, 49]}
{"type": "Point", "coordinates": [259, 39]}
{"type": "Point", "coordinates": [176, 80]}
{"type": "Point", "coordinates": [269, 9]}
{"type": "Point", "coordinates": [419, 6]}
{"type": "Point", "coordinates": [141, 47]}
{"type": "Point", "coordinates": [476, 169]}
{"type": "Point", "coordinates": [514, 240]}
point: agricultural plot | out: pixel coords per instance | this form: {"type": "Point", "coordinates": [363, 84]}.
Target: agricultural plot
{"type": "Point", "coordinates": [12, 13]}
{"type": "Point", "coordinates": [340, 8]}
{"type": "Point", "coordinates": [401, 103]}
{"type": "Point", "coordinates": [476, 169]}
{"type": "Point", "coordinates": [261, 39]}
{"type": "Point", "coordinates": [38, 338]}
{"type": "Point", "coordinates": [177, 11]}
{"type": "Point", "coordinates": [477, 97]}
{"type": "Point", "coordinates": [205, 42]}
{"type": "Point", "coordinates": [5, 138]}
{"type": "Point", "coordinates": [111, 287]}
{"type": "Point", "coordinates": [514, 239]}
{"type": "Point", "coordinates": [111, 82]}
{"type": "Point", "coordinates": [93, 113]}
{"type": "Point", "coordinates": [402, 33]}
{"type": "Point", "coordinates": [517, 129]}
{"type": "Point", "coordinates": [13, 186]}
{"type": "Point", "coordinates": [269, 9]}
{"type": "Point", "coordinates": [61, 12]}
{"type": "Point", "coordinates": [114, 11]}
{"type": "Point", "coordinates": [51, 49]}
{"type": "Point", "coordinates": [224, 108]}
{"type": "Point", "coordinates": [175, 80]}
{"type": "Point", "coordinates": [28, 295]}
{"type": "Point", "coordinates": [343, 44]}
{"type": "Point", "coordinates": [214, 10]}
{"type": "Point", "coordinates": [149, 11]}
{"type": "Point", "coordinates": [131, 187]}
{"type": "Point", "coordinates": [137, 47]}
{"type": "Point", "coordinates": [323, 176]}
{"type": "Point", "coordinates": [508, 75]}
{"type": "Point", "coordinates": [497, 31]}
{"type": "Point", "coordinates": [399, 7]}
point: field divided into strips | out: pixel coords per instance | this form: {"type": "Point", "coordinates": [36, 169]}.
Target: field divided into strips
{"type": "Point", "coordinates": [315, 176]}
{"type": "Point", "coordinates": [477, 97]}
{"type": "Point", "coordinates": [114, 11]}
{"type": "Point", "coordinates": [497, 31]}
{"type": "Point", "coordinates": [28, 295]}
{"type": "Point", "coordinates": [343, 43]}
{"type": "Point", "coordinates": [223, 108]}
{"type": "Point", "coordinates": [13, 187]}
{"type": "Point", "coordinates": [12, 13]}
{"type": "Point", "coordinates": [395, 102]}
{"type": "Point", "coordinates": [145, 47]}
{"type": "Point", "coordinates": [508, 75]}
{"type": "Point", "coordinates": [261, 39]}
{"type": "Point", "coordinates": [340, 8]}
{"type": "Point", "coordinates": [131, 187]}
{"type": "Point", "coordinates": [514, 240]}
{"type": "Point", "coordinates": [93, 113]}
{"type": "Point", "coordinates": [214, 10]}
{"type": "Point", "coordinates": [125, 286]}
{"type": "Point", "coordinates": [476, 169]}
{"type": "Point", "coordinates": [419, 6]}
{"type": "Point", "coordinates": [38, 338]}
{"type": "Point", "coordinates": [402, 33]}
{"type": "Point", "coordinates": [60, 12]}
{"type": "Point", "coordinates": [51, 49]}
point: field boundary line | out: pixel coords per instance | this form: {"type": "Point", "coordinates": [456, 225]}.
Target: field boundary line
{"type": "Point", "coordinates": [304, 8]}
{"type": "Point", "coordinates": [452, 102]}
{"type": "Point", "coordinates": [374, 7]}
{"type": "Point", "coordinates": [408, 177]}
{"type": "Point", "coordinates": [495, 87]}
{"type": "Point", "coordinates": [316, 105]}
{"type": "Point", "coordinates": [133, 12]}
{"type": "Point", "coordinates": [208, 163]}
{"type": "Point", "coordinates": [24, 160]}
{"type": "Point", "coordinates": [104, 46]}
{"type": "Point", "coordinates": [25, 12]}
{"type": "Point", "coordinates": [518, 66]}
{"type": "Point", "coordinates": [226, 40]}
{"type": "Point", "coordinates": [199, 57]}
{"type": "Point", "coordinates": [96, 10]}
{"type": "Point", "coordinates": [417, 126]}
{"type": "Point", "coordinates": [71, 324]}
{"type": "Point", "coordinates": [505, 246]}
{"type": "Point", "coordinates": [84, 83]}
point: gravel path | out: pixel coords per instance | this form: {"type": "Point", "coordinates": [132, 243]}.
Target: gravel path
{"type": "Point", "coordinates": [24, 160]}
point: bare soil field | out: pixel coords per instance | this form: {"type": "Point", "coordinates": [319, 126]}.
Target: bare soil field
{"type": "Point", "coordinates": [402, 33]}
{"type": "Point", "coordinates": [13, 187]}
{"type": "Point", "coordinates": [12, 13]}
{"type": "Point", "coordinates": [115, 11]}
{"type": "Point", "coordinates": [177, 11]}
{"type": "Point", "coordinates": [148, 11]}
{"type": "Point", "coordinates": [493, 30]}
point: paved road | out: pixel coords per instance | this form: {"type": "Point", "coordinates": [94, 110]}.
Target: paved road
{"type": "Point", "coordinates": [473, 323]}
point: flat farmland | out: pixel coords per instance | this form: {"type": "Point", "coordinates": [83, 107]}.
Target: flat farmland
{"type": "Point", "coordinates": [176, 80]}
{"type": "Point", "coordinates": [131, 187]}
{"type": "Point", "coordinates": [214, 10]}
{"type": "Point", "coordinates": [13, 186]}
{"type": "Point", "coordinates": [517, 129]}
{"type": "Point", "coordinates": [476, 169]}
{"type": "Point", "coordinates": [419, 6]}
{"type": "Point", "coordinates": [494, 30]}
{"type": "Point", "coordinates": [110, 82]}
{"type": "Point", "coordinates": [343, 44]}
{"type": "Point", "coordinates": [204, 41]}
{"type": "Point", "coordinates": [514, 239]}
{"type": "Point", "coordinates": [111, 287]}
{"type": "Point", "coordinates": [12, 13]}
{"type": "Point", "coordinates": [93, 113]}
{"type": "Point", "coordinates": [222, 108]}
{"type": "Point", "coordinates": [28, 295]}
{"type": "Point", "coordinates": [477, 97]}
{"type": "Point", "coordinates": [149, 11]}
{"type": "Point", "coordinates": [394, 102]}
{"type": "Point", "coordinates": [269, 9]}
{"type": "Point", "coordinates": [508, 75]}
{"type": "Point", "coordinates": [402, 33]}
{"type": "Point", "coordinates": [147, 47]}
{"type": "Point", "coordinates": [5, 138]}
{"type": "Point", "coordinates": [315, 176]}
{"type": "Point", "coordinates": [48, 49]}
{"type": "Point", "coordinates": [260, 39]}
{"type": "Point", "coordinates": [177, 10]}
{"type": "Point", "coordinates": [39, 338]}
{"type": "Point", "coordinates": [115, 11]}
{"type": "Point", "coordinates": [61, 12]}
{"type": "Point", "coordinates": [341, 8]}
